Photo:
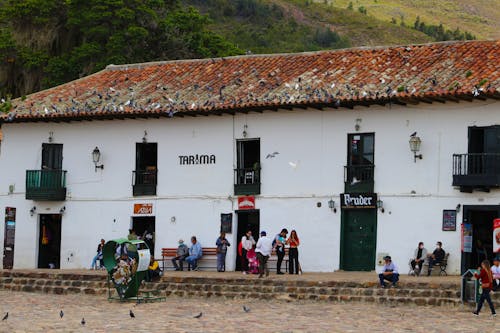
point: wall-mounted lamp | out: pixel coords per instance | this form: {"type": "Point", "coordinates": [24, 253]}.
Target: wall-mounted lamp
{"type": "Point", "coordinates": [51, 137]}
{"type": "Point", "coordinates": [62, 210]}
{"type": "Point", "coordinates": [32, 211]}
{"type": "Point", "coordinates": [331, 205]}
{"type": "Point", "coordinates": [96, 157]}
{"type": "Point", "coordinates": [458, 208]}
{"type": "Point", "coordinates": [245, 133]}
{"type": "Point", "coordinates": [357, 126]}
{"type": "Point", "coordinates": [145, 137]}
{"type": "Point", "coordinates": [380, 205]}
{"type": "Point", "coordinates": [415, 143]}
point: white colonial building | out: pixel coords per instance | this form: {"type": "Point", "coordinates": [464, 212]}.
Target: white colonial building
{"type": "Point", "coordinates": [316, 142]}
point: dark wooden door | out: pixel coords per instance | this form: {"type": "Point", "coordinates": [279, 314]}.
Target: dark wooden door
{"type": "Point", "coordinates": [9, 238]}
{"type": "Point", "coordinates": [359, 239]}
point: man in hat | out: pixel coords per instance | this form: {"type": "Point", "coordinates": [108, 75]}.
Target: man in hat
{"type": "Point", "coordinates": [495, 271]}
{"type": "Point", "coordinates": [263, 249]}
{"type": "Point", "coordinates": [182, 253]}
{"type": "Point", "coordinates": [388, 272]}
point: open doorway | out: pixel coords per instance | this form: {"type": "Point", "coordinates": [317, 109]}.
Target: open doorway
{"type": "Point", "coordinates": [247, 220]}
{"type": "Point", "coordinates": [144, 227]}
{"type": "Point", "coordinates": [49, 241]}
{"type": "Point", "coordinates": [481, 218]}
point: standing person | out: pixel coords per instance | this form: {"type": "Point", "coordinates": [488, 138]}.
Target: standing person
{"type": "Point", "coordinates": [148, 237]}
{"type": "Point", "coordinates": [495, 271]}
{"type": "Point", "coordinates": [247, 243]}
{"type": "Point", "coordinates": [418, 258]}
{"type": "Point", "coordinates": [388, 272]}
{"type": "Point", "coordinates": [487, 284]}
{"type": "Point", "coordinates": [222, 244]}
{"type": "Point", "coordinates": [294, 242]}
{"type": "Point", "coordinates": [263, 249]}
{"type": "Point", "coordinates": [182, 253]}
{"type": "Point", "coordinates": [279, 245]}
{"type": "Point", "coordinates": [195, 253]}
{"type": "Point", "coordinates": [131, 234]}
{"type": "Point", "coordinates": [436, 257]}
{"type": "Point", "coordinates": [98, 256]}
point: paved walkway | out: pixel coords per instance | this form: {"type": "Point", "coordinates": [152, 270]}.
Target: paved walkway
{"type": "Point", "coordinates": [29, 312]}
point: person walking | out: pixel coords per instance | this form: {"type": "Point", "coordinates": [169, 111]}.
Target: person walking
{"type": "Point", "coordinates": [293, 254]}
{"type": "Point", "coordinates": [247, 243]}
{"type": "Point", "coordinates": [279, 245]}
{"type": "Point", "coordinates": [486, 284]}
{"type": "Point", "coordinates": [263, 249]}
{"type": "Point", "coordinates": [222, 244]}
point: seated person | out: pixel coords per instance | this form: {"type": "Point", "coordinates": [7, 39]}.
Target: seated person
{"type": "Point", "coordinates": [388, 272]}
{"type": "Point", "coordinates": [418, 258]}
{"type": "Point", "coordinates": [495, 271]}
{"type": "Point", "coordinates": [182, 253]}
{"type": "Point", "coordinates": [98, 256]}
{"type": "Point", "coordinates": [436, 257]}
{"type": "Point", "coordinates": [195, 253]}
{"type": "Point", "coordinates": [153, 271]}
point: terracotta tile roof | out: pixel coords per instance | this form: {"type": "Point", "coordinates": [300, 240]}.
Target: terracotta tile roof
{"type": "Point", "coordinates": [404, 74]}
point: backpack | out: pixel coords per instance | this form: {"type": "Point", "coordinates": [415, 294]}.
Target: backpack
{"type": "Point", "coordinates": [274, 240]}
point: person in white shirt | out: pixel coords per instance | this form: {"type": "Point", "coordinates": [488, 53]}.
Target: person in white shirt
{"type": "Point", "coordinates": [388, 272]}
{"type": "Point", "coordinates": [495, 272]}
{"type": "Point", "coordinates": [263, 249]}
{"type": "Point", "coordinates": [247, 243]}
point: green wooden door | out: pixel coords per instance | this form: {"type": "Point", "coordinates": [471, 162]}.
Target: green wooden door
{"type": "Point", "coordinates": [359, 239]}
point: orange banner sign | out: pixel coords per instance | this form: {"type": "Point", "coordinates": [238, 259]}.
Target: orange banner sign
{"type": "Point", "coordinates": [140, 209]}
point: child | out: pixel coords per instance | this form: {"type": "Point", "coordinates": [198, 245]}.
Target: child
{"type": "Point", "coordinates": [487, 285]}
{"type": "Point", "coordinates": [253, 263]}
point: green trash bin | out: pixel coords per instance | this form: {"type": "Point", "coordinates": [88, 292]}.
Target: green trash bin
{"type": "Point", "coordinates": [126, 262]}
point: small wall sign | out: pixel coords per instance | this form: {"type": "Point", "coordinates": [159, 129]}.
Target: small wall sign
{"type": "Point", "coordinates": [226, 223]}
{"type": "Point", "coordinates": [142, 209]}
{"type": "Point", "coordinates": [246, 202]}
{"type": "Point", "coordinates": [449, 220]}
{"type": "Point", "coordinates": [196, 159]}
{"type": "Point", "coordinates": [358, 200]}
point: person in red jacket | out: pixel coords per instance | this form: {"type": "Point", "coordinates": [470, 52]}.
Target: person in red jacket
{"type": "Point", "coordinates": [487, 284]}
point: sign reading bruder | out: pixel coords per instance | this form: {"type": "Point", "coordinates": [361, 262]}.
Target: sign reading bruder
{"type": "Point", "coordinates": [358, 200]}
{"type": "Point", "coordinates": [140, 209]}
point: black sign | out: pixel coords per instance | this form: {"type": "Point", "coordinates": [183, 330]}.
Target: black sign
{"type": "Point", "coordinates": [226, 223]}
{"type": "Point", "coordinates": [449, 220]}
{"type": "Point", "coordinates": [196, 159]}
{"type": "Point", "coordinates": [358, 200]}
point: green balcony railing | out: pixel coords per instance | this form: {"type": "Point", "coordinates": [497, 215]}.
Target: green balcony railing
{"type": "Point", "coordinates": [46, 185]}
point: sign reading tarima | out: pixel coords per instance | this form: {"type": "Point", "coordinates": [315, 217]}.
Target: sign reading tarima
{"type": "Point", "coordinates": [196, 159]}
{"type": "Point", "coordinates": [358, 200]}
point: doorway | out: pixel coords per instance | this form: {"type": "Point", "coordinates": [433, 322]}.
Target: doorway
{"type": "Point", "coordinates": [49, 241]}
{"type": "Point", "coordinates": [144, 227]}
{"type": "Point", "coordinates": [359, 239]}
{"type": "Point", "coordinates": [247, 220]}
{"type": "Point", "coordinates": [481, 218]}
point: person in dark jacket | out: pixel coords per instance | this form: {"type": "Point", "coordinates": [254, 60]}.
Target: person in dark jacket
{"type": "Point", "coordinates": [222, 244]}
{"type": "Point", "coordinates": [436, 257]}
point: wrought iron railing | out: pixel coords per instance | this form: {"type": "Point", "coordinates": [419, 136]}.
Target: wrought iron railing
{"type": "Point", "coordinates": [246, 176]}
{"type": "Point", "coordinates": [476, 164]}
{"type": "Point", "coordinates": [354, 174]}
{"type": "Point", "coordinates": [144, 182]}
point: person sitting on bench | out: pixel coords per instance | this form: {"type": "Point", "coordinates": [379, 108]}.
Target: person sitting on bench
{"type": "Point", "coordinates": [436, 257]}
{"type": "Point", "coordinates": [195, 253]}
{"type": "Point", "coordinates": [388, 272]}
{"type": "Point", "coordinates": [182, 253]}
{"type": "Point", "coordinates": [417, 263]}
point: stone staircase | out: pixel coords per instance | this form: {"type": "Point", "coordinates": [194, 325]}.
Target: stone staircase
{"type": "Point", "coordinates": [417, 293]}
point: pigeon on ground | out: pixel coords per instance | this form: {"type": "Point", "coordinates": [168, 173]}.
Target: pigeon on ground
{"type": "Point", "coordinates": [246, 309]}
{"type": "Point", "coordinates": [132, 315]}
{"type": "Point", "coordinates": [198, 315]}
{"type": "Point", "coordinates": [61, 314]}
{"type": "Point", "coordinates": [83, 321]}
{"type": "Point", "coordinates": [6, 316]}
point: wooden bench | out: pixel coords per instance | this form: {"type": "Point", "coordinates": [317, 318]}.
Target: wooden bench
{"type": "Point", "coordinates": [442, 265]}
{"type": "Point", "coordinates": [207, 261]}
{"type": "Point", "coordinates": [273, 260]}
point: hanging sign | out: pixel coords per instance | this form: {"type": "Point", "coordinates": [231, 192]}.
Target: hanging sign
{"type": "Point", "coordinates": [226, 223]}
{"type": "Point", "coordinates": [466, 237]}
{"type": "Point", "coordinates": [142, 209]}
{"type": "Point", "coordinates": [496, 235]}
{"type": "Point", "coordinates": [246, 202]}
{"type": "Point", "coordinates": [358, 200]}
{"type": "Point", "coordinates": [449, 220]}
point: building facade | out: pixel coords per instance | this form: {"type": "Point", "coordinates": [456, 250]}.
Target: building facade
{"type": "Point", "coordinates": [319, 144]}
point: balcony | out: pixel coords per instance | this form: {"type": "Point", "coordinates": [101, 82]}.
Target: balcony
{"type": "Point", "coordinates": [144, 182]}
{"type": "Point", "coordinates": [246, 181]}
{"type": "Point", "coordinates": [358, 178]}
{"type": "Point", "coordinates": [479, 171]}
{"type": "Point", "coordinates": [46, 185]}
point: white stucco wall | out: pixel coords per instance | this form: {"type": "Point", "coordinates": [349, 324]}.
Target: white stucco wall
{"type": "Point", "coordinates": [100, 204]}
